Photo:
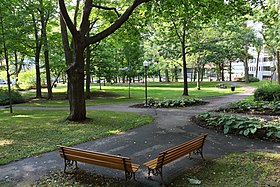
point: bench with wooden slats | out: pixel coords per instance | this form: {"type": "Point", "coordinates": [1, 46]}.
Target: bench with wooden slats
{"type": "Point", "coordinates": [193, 146]}
{"type": "Point", "coordinates": [72, 155]}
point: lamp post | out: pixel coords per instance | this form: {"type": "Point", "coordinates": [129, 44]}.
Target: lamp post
{"type": "Point", "coordinates": [145, 64]}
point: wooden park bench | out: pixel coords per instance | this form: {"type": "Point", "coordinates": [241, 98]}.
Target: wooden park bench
{"type": "Point", "coordinates": [193, 146]}
{"type": "Point", "coordinates": [72, 155]}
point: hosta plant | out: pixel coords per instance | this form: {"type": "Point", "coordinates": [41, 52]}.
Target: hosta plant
{"type": "Point", "coordinates": [241, 124]}
{"type": "Point", "coordinates": [179, 102]}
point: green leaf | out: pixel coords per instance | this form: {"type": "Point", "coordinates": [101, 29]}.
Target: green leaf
{"type": "Point", "coordinates": [246, 132]}
{"type": "Point", "coordinates": [253, 130]}
{"type": "Point", "coordinates": [226, 129]}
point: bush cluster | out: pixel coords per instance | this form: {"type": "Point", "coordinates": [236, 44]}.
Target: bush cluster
{"type": "Point", "coordinates": [267, 92]}
{"type": "Point", "coordinates": [15, 96]}
{"type": "Point", "coordinates": [254, 79]}
{"type": "Point", "coordinates": [179, 102]}
{"type": "Point", "coordinates": [241, 124]}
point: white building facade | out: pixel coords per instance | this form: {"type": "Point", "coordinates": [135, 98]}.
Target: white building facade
{"type": "Point", "coordinates": [266, 66]}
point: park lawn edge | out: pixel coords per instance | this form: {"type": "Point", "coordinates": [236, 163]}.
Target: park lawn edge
{"type": "Point", "coordinates": [39, 140]}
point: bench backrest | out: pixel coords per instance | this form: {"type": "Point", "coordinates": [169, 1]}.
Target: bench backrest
{"type": "Point", "coordinates": [96, 158]}
{"type": "Point", "coordinates": [178, 151]}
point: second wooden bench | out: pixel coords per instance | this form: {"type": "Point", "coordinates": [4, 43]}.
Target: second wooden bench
{"type": "Point", "coordinates": [195, 145]}
{"type": "Point", "coordinates": [72, 155]}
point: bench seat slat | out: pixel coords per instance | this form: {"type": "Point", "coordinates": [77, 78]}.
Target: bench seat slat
{"type": "Point", "coordinates": [113, 165]}
{"type": "Point", "coordinates": [94, 155]}
{"type": "Point", "coordinates": [97, 158]}
{"type": "Point", "coordinates": [176, 152]}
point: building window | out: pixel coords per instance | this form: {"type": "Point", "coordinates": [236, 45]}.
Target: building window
{"type": "Point", "coordinates": [266, 77]}
{"type": "Point", "coordinates": [266, 68]}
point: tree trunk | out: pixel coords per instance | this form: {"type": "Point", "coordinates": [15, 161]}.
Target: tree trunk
{"type": "Point", "coordinates": [278, 66]}
{"type": "Point", "coordinates": [44, 16]}
{"type": "Point", "coordinates": [230, 71]}
{"type": "Point", "coordinates": [198, 79]}
{"type": "Point", "coordinates": [88, 71]}
{"type": "Point", "coordinates": [38, 46]}
{"type": "Point", "coordinates": [18, 67]}
{"type": "Point", "coordinates": [38, 74]}
{"type": "Point", "coordinates": [47, 63]}
{"type": "Point", "coordinates": [76, 94]}
{"type": "Point", "coordinates": [257, 65]}
{"type": "Point", "coordinates": [185, 71]}
{"type": "Point", "coordinates": [176, 74]}
{"type": "Point", "coordinates": [166, 75]}
{"type": "Point", "coordinates": [246, 67]}
{"type": "Point", "coordinates": [222, 72]}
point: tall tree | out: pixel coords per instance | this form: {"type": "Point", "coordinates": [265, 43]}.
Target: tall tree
{"type": "Point", "coordinates": [75, 71]}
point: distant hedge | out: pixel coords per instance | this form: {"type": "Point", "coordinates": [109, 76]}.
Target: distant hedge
{"type": "Point", "coordinates": [4, 97]}
{"type": "Point", "coordinates": [267, 92]}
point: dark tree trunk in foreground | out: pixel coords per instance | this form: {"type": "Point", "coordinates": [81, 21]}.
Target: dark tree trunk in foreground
{"type": "Point", "coordinates": [75, 70]}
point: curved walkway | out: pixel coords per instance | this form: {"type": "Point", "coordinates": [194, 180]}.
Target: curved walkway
{"type": "Point", "coordinates": [170, 127]}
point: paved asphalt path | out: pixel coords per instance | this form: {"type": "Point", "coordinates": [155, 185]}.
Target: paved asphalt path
{"type": "Point", "coordinates": [170, 127]}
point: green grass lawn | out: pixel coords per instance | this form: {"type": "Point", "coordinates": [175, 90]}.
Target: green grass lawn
{"type": "Point", "coordinates": [30, 132]}
{"type": "Point", "coordinates": [238, 169]}
{"type": "Point", "coordinates": [118, 93]}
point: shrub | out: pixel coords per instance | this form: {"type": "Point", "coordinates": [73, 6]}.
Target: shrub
{"type": "Point", "coordinates": [254, 79]}
{"type": "Point", "coordinates": [4, 97]}
{"type": "Point", "coordinates": [267, 92]}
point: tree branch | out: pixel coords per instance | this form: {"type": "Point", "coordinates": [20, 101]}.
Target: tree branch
{"type": "Point", "coordinates": [67, 19]}
{"type": "Point", "coordinates": [118, 23]}
{"type": "Point", "coordinates": [106, 8]}
{"type": "Point", "coordinates": [84, 27]}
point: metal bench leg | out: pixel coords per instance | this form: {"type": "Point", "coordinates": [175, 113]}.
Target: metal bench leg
{"type": "Point", "coordinates": [149, 173]}
{"type": "Point", "coordinates": [161, 176]}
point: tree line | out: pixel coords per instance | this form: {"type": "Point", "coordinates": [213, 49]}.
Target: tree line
{"type": "Point", "coordinates": [110, 40]}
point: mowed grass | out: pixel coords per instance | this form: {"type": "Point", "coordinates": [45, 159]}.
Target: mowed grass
{"type": "Point", "coordinates": [238, 169]}
{"type": "Point", "coordinates": [30, 132]}
{"type": "Point", "coordinates": [120, 93]}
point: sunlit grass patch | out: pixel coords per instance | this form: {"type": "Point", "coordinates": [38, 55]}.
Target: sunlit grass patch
{"type": "Point", "coordinates": [119, 93]}
{"type": "Point", "coordinates": [238, 169]}
{"type": "Point", "coordinates": [29, 132]}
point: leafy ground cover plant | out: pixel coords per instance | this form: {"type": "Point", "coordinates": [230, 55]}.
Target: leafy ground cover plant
{"type": "Point", "coordinates": [243, 125]}
{"type": "Point", "coordinates": [250, 106]}
{"type": "Point", "coordinates": [179, 102]}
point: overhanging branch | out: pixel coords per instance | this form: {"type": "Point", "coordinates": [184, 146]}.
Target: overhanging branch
{"type": "Point", "coordinates": [117, 24]}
